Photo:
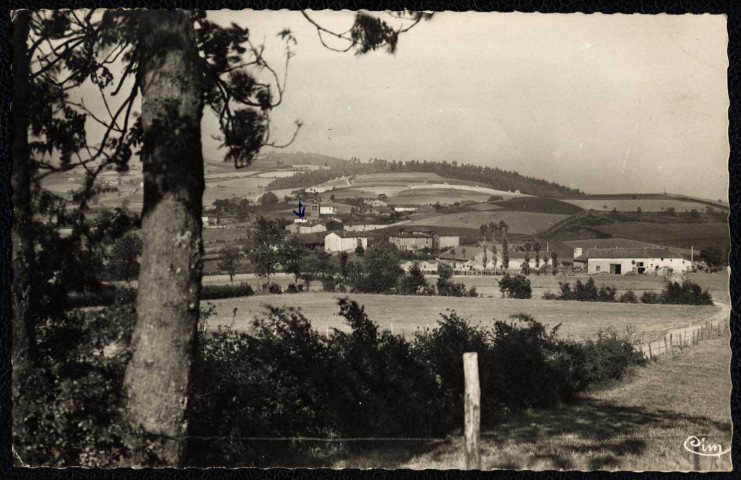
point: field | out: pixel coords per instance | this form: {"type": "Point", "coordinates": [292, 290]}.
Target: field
{"type": "Point", "coordinates": [645, 204]}
{"type": "Point", "coordinates": [672, 234]}
{"type": "Point", "coordinates": [430, 196]}
{"type": "Point", "coordinates": [406, 314]}
{"type": "Point", "coordinates": [519, 222]}
{"type": "Point", "coordinates": [639, 424]}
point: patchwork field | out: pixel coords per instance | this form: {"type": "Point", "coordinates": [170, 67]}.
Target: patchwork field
{"type": "Point", "coordinates": [406, 314]}
{"type": "Point", "coordinates": [645, 204]}
{"type": "Point", "coordinates": [672, 234]}
{"type": "Point", "coordinates": [519, 222]}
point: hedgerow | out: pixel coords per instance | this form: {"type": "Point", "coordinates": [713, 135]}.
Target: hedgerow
{"type": "Point", "coordinates": [284, 379]}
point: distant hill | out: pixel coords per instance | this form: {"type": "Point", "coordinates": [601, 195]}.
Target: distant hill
{"type": "Point", "coordinates": [488, 177]}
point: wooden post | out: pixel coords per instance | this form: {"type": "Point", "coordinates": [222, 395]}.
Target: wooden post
{"type": "Point", "coordinates": [650, 355]}
{"type": "Point", "coordinates": [671, 341]}
{"type": "Point", "coordinates": [472, 417]}
{"type": "Point", "coordinates": [666, 348]}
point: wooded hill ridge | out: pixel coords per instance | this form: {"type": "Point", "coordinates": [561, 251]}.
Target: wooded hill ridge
{"type": "Point", "coordinates": [494, 178]}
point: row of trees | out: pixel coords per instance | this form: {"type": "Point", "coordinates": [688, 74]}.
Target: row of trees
{"type": "Point", "coordinates": [495, 178]}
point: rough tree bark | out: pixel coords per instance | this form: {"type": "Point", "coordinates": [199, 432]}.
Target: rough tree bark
{"type": "Point", "coordinates": [23, 261]}
{"type": "Point", "coordinates": [157, 376]}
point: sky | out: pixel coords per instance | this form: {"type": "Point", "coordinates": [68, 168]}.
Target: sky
{"type": "Point", "coordinates": [604, 103]}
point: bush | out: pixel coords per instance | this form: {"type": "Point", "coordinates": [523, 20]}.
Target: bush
{"type": "Point", "coordinates": [215, 292]}
{"type": "Point", "coordinates": [274, 288]}
{"type": "Point", "coordinates": [282, 378]}
{"type": "Point", "coordinates": [686, 293]}
{"type": "Point", "coordinates": [516, 286]}
{"type": "Point", "coordinates": [294, 288]}
{"type": "Point", "coordinates": [606, 293]}
{"type": "Point", "coordinates": [628, 297]}
{"type": "Point", "coordinates": [585, 292]}
{"type": "Point", "coordinates": [550, 296]}
{"type": "Point", "coordinates": [649, 297]}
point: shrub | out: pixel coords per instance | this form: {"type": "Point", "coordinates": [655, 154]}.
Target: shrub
{"type": "Point", "coordinates": [516, 286]}
{"type": "Point", "coordinates": [550, 296]}
{"type": "Point", "coordinates": [628, 297]}
{"type": "Point", "coordinates": [282, 378]}
{"type": "Point", "coordinates": [413, 281]}
{"type": "Point", "coordinates": [274, 288]}
{"type": "Point", "coordinates": [294, 288]}
{"type": "Point", "coordinates": [649, 297]}
{"type": "Point", "coordinates": [585, 292]}
{"type": "Point", "coordinates": [686, 293]}
{"type": "Point", "coordinates": [606, 293]}
{"type": "Point", "coordinates": [215, 292]}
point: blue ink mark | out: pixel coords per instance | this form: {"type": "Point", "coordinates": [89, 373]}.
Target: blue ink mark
{"type": "Point", "coordinates": [301, 210]}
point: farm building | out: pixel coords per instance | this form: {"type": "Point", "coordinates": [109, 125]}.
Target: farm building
{"type": "Point", "coordinates": [376, 203]}
{"type": "Point", "coordinates": [517, 259]}
{"type": "Point", "coordinates": [405, 209]}
{"type": "Point", "coordinates": [312, 240]}
{"type": "Point", "coordinates": [469, 258]}
{"type": "Point", "coordinates": [428, 267]}
{"type": "Point", "coordinates": [329, 208]}
{"type": "Point", "coordinates": [344, 241]}
{"type": "Point", "coordinates": [305, 227]}
{"type": "Point", "coordinates": [621, 261]}
{"type": "Point", "coordinates": [415, 241]}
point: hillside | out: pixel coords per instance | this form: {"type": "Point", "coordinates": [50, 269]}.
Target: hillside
{"type": "Point", "coordinates": [493, 178]}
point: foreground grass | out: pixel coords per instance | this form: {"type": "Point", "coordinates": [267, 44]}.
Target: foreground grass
{"type": "Point", "coordinates": [638, 424]}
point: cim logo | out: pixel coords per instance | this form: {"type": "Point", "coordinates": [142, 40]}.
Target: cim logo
{"type": "Point", "coordinates": [699, 447]}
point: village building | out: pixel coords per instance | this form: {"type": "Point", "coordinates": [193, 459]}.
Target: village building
{"type": "Point", "coordinates": [416, 241]}
{"type": "Point", "coordinates": [428, 267]}
{"type": "Point", "coordinates": [405, 209]}
{"type": "Point", "coordinates": [469, 258]}
{"type": "Point", "coordinates": [622, 261]}
{"type": "Point", "coordinates": [328, 208]}
{"type": "Point", "coordinates": [342, 241]}
{"type": "Point", "coordinates": [306, 227]}
{"type": "Point", "coordinates": [376, 203]}
{"type": "Point", "coordinates": [517, 259]}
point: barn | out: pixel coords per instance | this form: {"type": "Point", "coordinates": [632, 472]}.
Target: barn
{"type": "Point", "coordinates": [622, 261]}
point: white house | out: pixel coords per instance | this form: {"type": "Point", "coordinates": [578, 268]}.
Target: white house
{"type": "Point", "coordinates": [405, 209]}
{"type": "Point", "coordinates": [344, 241]}
{"type": "Point", "coordinates": [620, 261]}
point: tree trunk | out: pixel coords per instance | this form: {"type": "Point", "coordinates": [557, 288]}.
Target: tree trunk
{"type": "Point", "coordinates": [157, 377]}
{"type": "Point", "coordinates": [23, 261]}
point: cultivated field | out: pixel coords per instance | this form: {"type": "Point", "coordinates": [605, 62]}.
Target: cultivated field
{"type": "Point", "coordinates": [645, 204]}
{"type": "Point", "coordinates": [672, 234]}
{"type": "Point", "coordinates": [407, 314]}
{"type": "Point", "coordinates": [519, 222]}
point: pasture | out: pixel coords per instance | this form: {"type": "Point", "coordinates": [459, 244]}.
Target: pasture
{"type": "Point", "coordinates": [632, 205]}
{"type": "Point", "coordinates": [682, 235]}
{"type": "Point", "coordinates": [519, 222]}
{"type": "Point", "coordinates": [406, 314]}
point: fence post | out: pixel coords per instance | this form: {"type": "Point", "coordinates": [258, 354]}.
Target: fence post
{"type": "Point", "coordinates": [472, 413]}
{"type": "Point", "coordinates": [671, 341]}
{"type": "Point", "coordinates": [650, 355]}
{"type": "Point", "coordinates": [666, 348]}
